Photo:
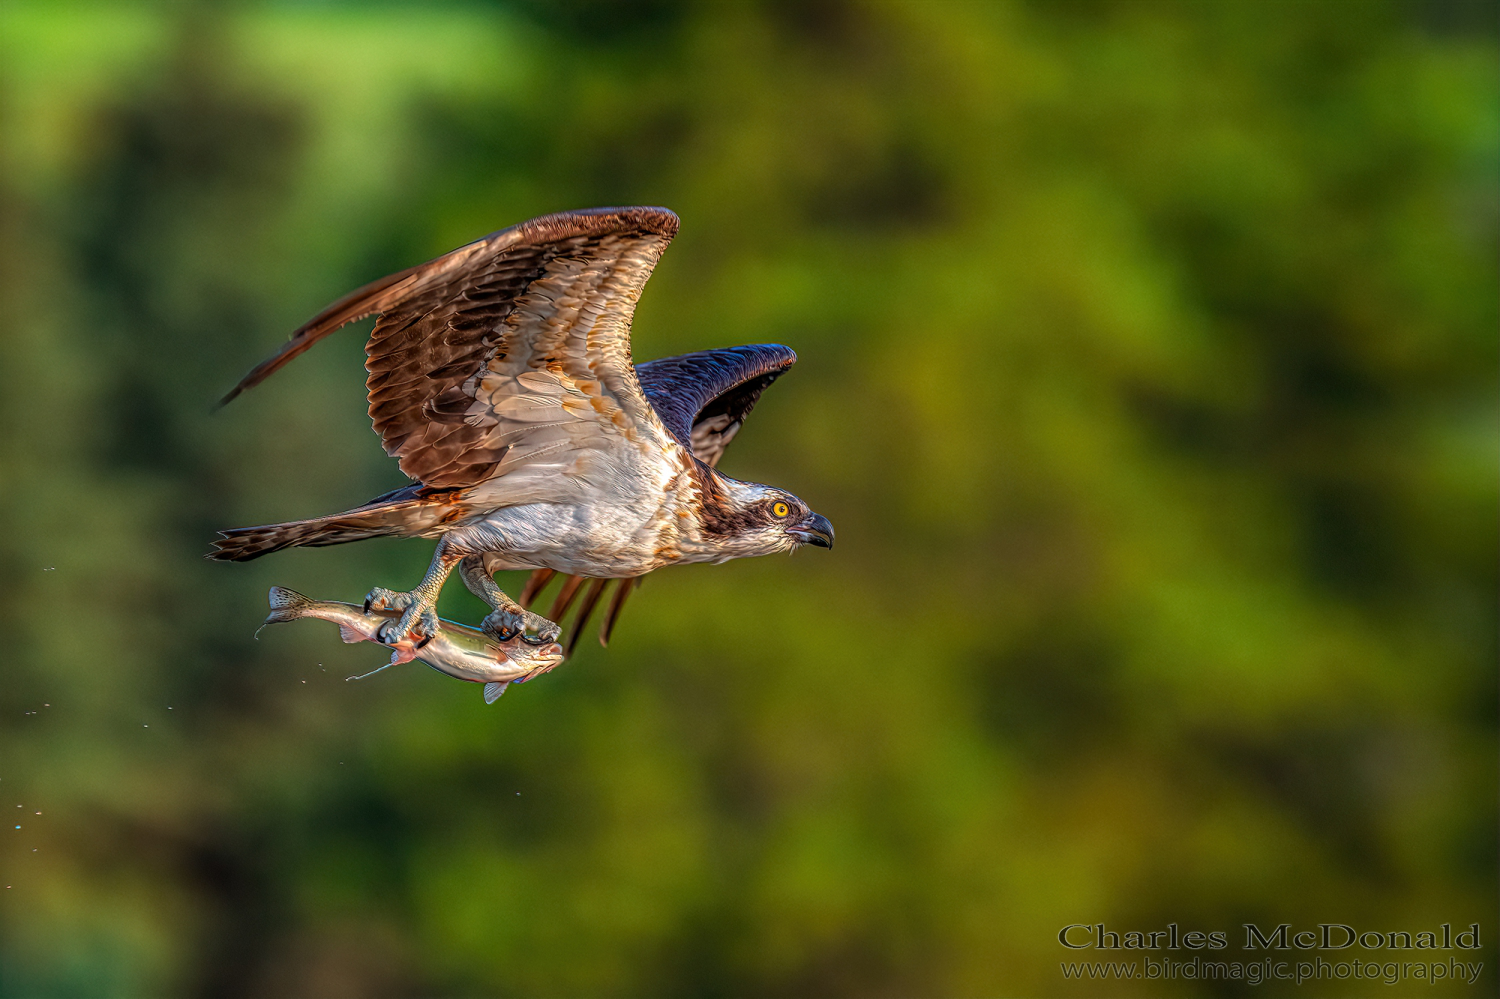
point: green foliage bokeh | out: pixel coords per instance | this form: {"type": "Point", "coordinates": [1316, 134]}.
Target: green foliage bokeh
{"type": "Point", "coordinates": [1148, 369]}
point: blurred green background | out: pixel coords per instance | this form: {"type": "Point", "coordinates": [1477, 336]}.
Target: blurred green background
{"type": "Point", "coordinates": [1148, 373]}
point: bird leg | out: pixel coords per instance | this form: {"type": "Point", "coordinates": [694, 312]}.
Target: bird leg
{"type": "Point", "coordinates": [509, 618]}
{"type": "Point", "coordinates": [419, 620]}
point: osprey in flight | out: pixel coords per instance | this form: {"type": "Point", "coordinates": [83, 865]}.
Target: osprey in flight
{"type": "Point", "coordinates": [500, 377]}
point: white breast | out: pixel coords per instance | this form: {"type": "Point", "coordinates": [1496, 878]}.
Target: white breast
{"type": "Point", "coordinates": [618, 519]}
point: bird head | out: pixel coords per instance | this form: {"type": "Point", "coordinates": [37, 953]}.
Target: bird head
{"type": "Point", "coordinates": [752, 519]}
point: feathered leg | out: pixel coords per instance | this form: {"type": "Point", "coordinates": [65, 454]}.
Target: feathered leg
{"type": "Point", "coordinates": [509, 618]}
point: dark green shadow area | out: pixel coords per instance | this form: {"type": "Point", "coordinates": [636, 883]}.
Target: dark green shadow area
{"type": "Point", "coordinates": [1148, 372]}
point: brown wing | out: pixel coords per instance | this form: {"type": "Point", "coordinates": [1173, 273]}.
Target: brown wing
{"type": "Point", "coordinates": [702, 399]}
{"type": "Point", "coordinates": [510, 349]}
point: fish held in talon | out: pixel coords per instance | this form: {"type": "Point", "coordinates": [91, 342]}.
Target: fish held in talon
{"type": "Point", "coordinates": [455, 649]}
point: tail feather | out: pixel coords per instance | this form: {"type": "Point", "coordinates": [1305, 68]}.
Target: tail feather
{"type": "Point", "coordinates": [535, 584]}
{"type": "Point", "coordinates": [585, 610]}
{"type": "Point", "coordinates": [616, 604]}
{"type": "Point", "coordinates": [565, 596]}
{"type": "Point", "coordinates": [400, 518]}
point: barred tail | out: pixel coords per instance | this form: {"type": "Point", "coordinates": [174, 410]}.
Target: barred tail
{"type": "Point", "coordinates": [405, 518]}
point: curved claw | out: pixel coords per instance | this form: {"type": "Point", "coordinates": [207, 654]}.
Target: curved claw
{"type": "Point", "coordinates": [381, 598]}
{"type": "Point", "coordinates": [505, 624]}
{"type": "Point", "coordinates": [424, 627]}
{"type": "Point", "coordinates": [502, 624]}
{"type": "Point", "coordinates": [417, 627]}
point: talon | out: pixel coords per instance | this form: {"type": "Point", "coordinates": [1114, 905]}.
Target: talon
{"type": "Point", "coordinates": [546, 632]}
{"type": "Point", "coordinates": [502, 625]}
{"type": "Point", "coordinates": [507, 623]}
{"type": "Point", "coordinates": [380, 599]}
{"type": "Point", "coordinates": [414, 628]}
{"type": "Point", "coordinates": [426, 625]}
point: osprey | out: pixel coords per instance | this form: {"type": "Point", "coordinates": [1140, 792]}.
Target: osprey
{"type": "Point", "coordinates": [500, 377]}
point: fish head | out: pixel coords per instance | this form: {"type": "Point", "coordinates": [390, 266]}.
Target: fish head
{"type": "Point", "coordinates": [536, 658]}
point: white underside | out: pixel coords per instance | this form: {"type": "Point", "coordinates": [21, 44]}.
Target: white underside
{"type": "Point", "coordinates": [578, 539]}
{"type": "Point", "coordinates": [650, 520]}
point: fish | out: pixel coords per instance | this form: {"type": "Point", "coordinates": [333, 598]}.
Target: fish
{"type": "Point", "coordinates": [457, 650]}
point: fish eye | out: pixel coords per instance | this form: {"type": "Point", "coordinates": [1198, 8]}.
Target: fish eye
{"type": "Point", "coordinates": [780, 509]}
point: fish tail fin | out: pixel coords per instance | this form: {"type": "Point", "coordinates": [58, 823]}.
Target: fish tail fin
{"type": "Point", "coordinates": [287, 605]}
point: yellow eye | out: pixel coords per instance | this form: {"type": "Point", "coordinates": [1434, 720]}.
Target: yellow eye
{"type": "Point", "coordinates": [781, 509]}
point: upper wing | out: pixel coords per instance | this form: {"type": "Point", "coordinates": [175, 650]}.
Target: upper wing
{"type": "Point", "coordinates": [703, 398]}
{"type": "Point", "coordinates": [507, 350]}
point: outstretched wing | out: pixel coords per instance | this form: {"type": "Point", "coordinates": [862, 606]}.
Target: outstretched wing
{"type": "Point", "coordinates": [703, 399]}
{"type": "Point", "coordinates": [511, 349]}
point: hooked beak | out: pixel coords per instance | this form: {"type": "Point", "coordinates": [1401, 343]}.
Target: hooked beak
{"type": "Point", "coordinates": [813, 530]}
